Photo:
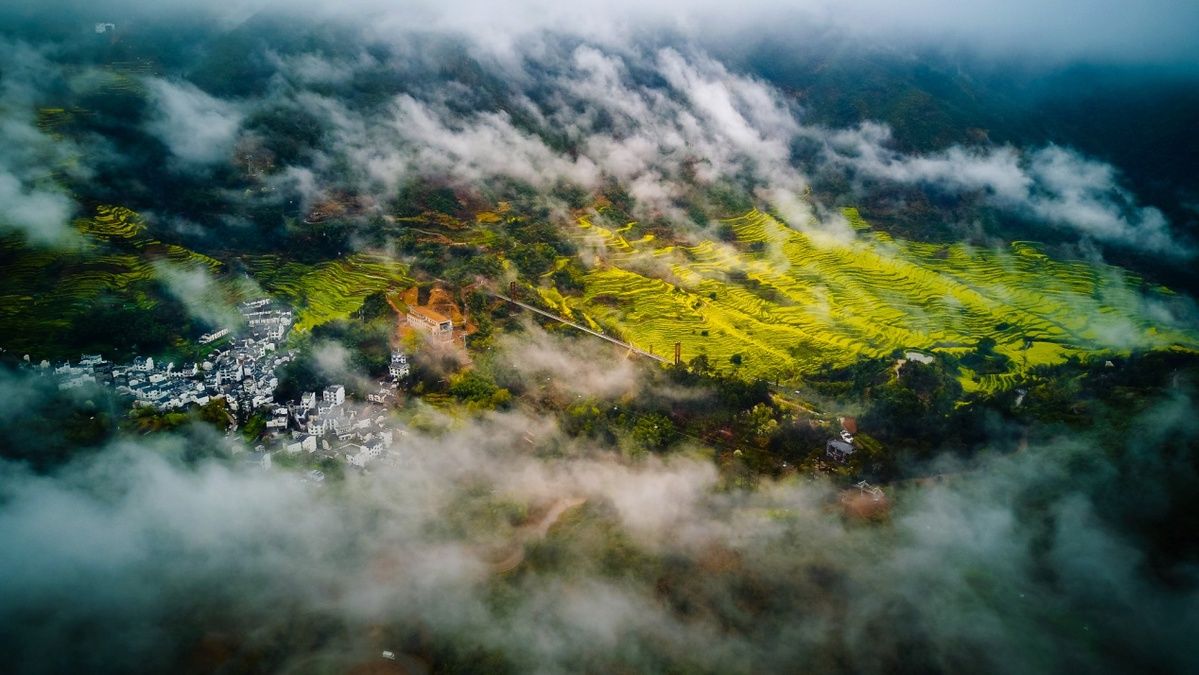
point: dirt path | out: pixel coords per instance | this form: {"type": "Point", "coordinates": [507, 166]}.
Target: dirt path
{"type": "Point", "coordinates": [535, 532]}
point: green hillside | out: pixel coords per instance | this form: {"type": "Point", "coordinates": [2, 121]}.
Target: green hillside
{"type": "Point", "coordinates": [48, 292]}
{"type": "Point", "coordinates": [790, 305]}
{"type": "Point", "coordinates": [329, 290]}
{"type": "Point", "coordinates": [116, 266]}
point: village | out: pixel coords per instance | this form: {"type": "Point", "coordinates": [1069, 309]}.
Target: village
{"type": "Point", "coordinates": [241, 371]}
{"type": "Point", "coordinates": [319, 426]}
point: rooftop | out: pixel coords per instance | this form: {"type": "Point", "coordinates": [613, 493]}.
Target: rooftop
{"type": "Point", "coordinates": [427, 313]}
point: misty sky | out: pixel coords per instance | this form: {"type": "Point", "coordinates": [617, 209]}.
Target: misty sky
{"type": "Point", "coordinates": [623, 126]}
{"type": "Point", "coordinates": [1153, 31]}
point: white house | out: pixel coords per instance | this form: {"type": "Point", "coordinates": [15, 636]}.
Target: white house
{"type": "Point", "coordinates": [399, 365]}
{"type": "Point", "coordinates": [258, 459]}
{"type": "Point", "coordinates": [360, 456]}
{"type": "Point", "coordinates": [212, 337]}
{"type": "Point", "coordinates": [305, 444]}
{"type": "Point", "coordinates": [77, 381]}
{"type": "Point", "coordinates": [308, 400]}
{"type": "Point", "coordinates": [398, 370]}
{"type": "Point", "coordinates": [334, 394]}
{"type": "Point", "coordinates": [381, 397]}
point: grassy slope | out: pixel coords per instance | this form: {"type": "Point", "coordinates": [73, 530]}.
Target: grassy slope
{"type": "Point", "coordinates": [801, 305]}
{"type": "Point", "coordinates": [329, 290]}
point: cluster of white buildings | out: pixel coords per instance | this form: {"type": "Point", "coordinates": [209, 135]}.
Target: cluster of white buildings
{"type": "Point", "coordinates": [243, 373]}
{"type": "Point", "coordinates": [213, 336]}
{"type": "Point", "coordinates": [90, 369]}
{"type": "Point", "coordinates": [357, 435]}
{"type": "Point", "coordinates": [329, 424]}
{"type": "Point", "coordinates": [260, 318]}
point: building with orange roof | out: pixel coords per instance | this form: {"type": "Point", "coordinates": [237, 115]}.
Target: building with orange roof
{"type": "Point", "coordinates": [431, 322]}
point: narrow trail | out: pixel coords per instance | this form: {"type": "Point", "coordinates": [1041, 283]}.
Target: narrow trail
{"type": "Point", "coordinates": [535, 532]}
{"type": "Point", "coordinates": [585, 329]}
{"type": "Point", "coordinates": [783, 392]}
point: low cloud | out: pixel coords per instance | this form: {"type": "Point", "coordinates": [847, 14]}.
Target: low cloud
{"type": "Point", "coordinates": [537, 358]}
{"type": "Point", "coordinates": [1053, 185]}
{"type": "Point", "coordinates": [34, 203]}
{"type": "Point", "coordinates": [666, 124]}
{"type": "Point", "coordinates": [198, 129]}
{"type": "Point", "coordinates": [499, 534]}
{"type": "Point", "coordinates": [201, 294]}
{"type": "Point", "coordinates": [481, 146]}
{"type": "Point", "coordinates": [43, 216]}
{"type": "Point", "coordinates": [1156, 31]}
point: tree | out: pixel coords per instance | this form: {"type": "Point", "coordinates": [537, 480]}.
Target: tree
{"type": "Point", "coordinates": [473, 388]}
{"type": "Point", "coordinates": [760, 423]}
{"type": "Point", "coordinates": [374, 306]}
{"type": "Point", "coordinates": [654, 432]}
{"type": "Point", "coordinates": [583, 418]}
{"type": "Point", "coordinates": [254, 427]}
{"type": "Point", "coordinates": [533, 260]}
{"type": "Point", "coordinates": [700, 365]}
{"type": "Point", "coordinates": [569, 279]}
{"type": "Point", "coordinates": [216, 413]}
{"type": "Point", "coordinates": [299, 376]}
{"type": "Point", "coordinates": [985, 360]}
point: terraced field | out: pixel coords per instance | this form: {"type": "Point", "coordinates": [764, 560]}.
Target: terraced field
{"type": "Point", "coordinates": [788, 305]}
{"type": "Point", "coordinates": [113, 222]}
{"type": "Point", "coordinates": [51, 121]}
{"type": "Point", "coordinates": [46, 290]}
{"type": "Point", "coordinates": [330, 290]}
